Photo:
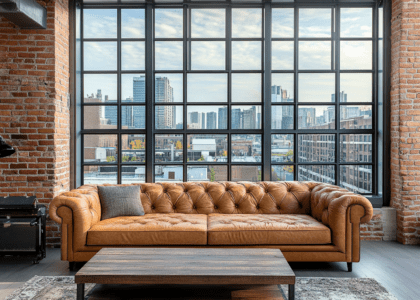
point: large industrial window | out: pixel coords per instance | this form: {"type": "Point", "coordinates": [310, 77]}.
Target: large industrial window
{"type": "Point", "coordinates": [244, 92]}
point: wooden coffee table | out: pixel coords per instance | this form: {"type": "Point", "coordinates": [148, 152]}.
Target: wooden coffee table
{"type": "Point", "coordinates": [186, 266]}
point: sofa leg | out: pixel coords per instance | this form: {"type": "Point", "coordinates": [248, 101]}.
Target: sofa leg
{"type": "Point", "coordinates": [72, 265]}
{"type": "Point", "coordinates": [350, 266]}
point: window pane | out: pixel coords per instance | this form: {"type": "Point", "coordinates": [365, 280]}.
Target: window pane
{"type": "Point", "coordinates": [133, 174]}
{"type": "Point", "coordinates": [316, 117]}
{"type": "Point", "coordinates": [208, 56]}
{"type": "Point", "coordinates": [207, 148]}
{"type": "Point", "coordinates": [282, 88]}
{"type": "Point", "coordinates": [316, 87]}
{"type": "Point", "coordinates": [207, 173]}
{"type": "Point", "coordinates": [283, 22]}
{"type": "Point", "coordinates": [282, 116]}
{"type": "Point", "coordinates": [100, 148]}
{"type": "Point", "coordinates": [99, 87]}
{"type": "Point", "coordinates": [168, 148]}
{"type": "Point", "coordinates": [246, 55]}
{"type": "Point", "coordinates": [168, 55]}
{"type": "Point", "coordinates": [356, 87]}
{"type": "Point", "coordinates": [356, 178]}
{"type": "Point", "coordinates": [246, 22]}
{"type": "Point", "coordinates": [169, 173]}
{"type": "Point", "coordinates": [315, 22]}
{"type": "Point", "coordinates": [168, 117]}
{"type": "Point", "coordinates": [133, 117]}
{"type": "Point", "coordinates": [283, 55]}
{"type": "Point", "coordinates": [133, 88]}
{"type": "Point", "coordinates": [355, 117]}
{"type": "Point", "coordinates": [246, 148]}
{"type": "Point", "coordinates": [101, 56]}
{"type": "Point", "coordinates": [169, 88]}
{"type": "Point", "coordinates": [208, 23]}
{"type": "Point", "coordinates": [282, 148]}
{"type": "Point", "coordinates": [99, 23]}
{"type": "Point", "coordinates": [356, 22]}
{"type": "Point", "coordinates": [314, 55]}
{"type": "Point", "coordinates": [356, 148]}
{"type": "Point", "coordinates": [246, 117]}
{"type": "Point", "coordinates": [207, 87]}
{"type": "Point", "coordinates": [320, 173]}
{"type": "Point", "coordinates": [100, 174]}
{"type": "Point", "coordinates": [132, 23]}
{"type": "Point", "coordinates": [246, 87]}
{"type": "Point", "coordinates": [100, 117]}
{"type": "Point", "coordinates": [246, 173]}
{"type": "Point", "coordinates": [356, 55]}
{"type": "Point", "coordinates": [316, 148]}
{"type": "Point", "coordinates": [282, 173]}
{"type": "Point", "coordinates": [207, 117]}
{"type": "Point", "coordinates": [168, 23]}
{"type": "Point", "coordinates": [133, 148]}
{"type": "Point", "coordinates": [132, 55]}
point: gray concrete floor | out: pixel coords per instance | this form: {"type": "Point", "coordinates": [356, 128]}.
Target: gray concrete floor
{"type": "Point", "coordinates": [395, 266]}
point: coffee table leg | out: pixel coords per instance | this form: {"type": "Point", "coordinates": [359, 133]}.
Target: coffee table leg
{"type": "Point", "coordinates": [80, 291]}
{"type": "Point", "coordinates": [291, 292]}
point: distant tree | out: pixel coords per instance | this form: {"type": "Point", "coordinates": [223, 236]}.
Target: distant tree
{"type": "Point", "coordinates": [133, 158]}
{"type": "Point", "coordinates": [178, 145]}
{"type": "Point", "coordinates": [212, 174]}
{"type": "Point", "coordinates": [110, 158]}
{"type": "Point", "coordinates": [137, 145]}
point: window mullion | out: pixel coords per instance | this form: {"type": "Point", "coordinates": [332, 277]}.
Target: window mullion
{"type": "Point", "coordinates": [149, 94]}
{"type": "Point", "coordinates": [267, 94]}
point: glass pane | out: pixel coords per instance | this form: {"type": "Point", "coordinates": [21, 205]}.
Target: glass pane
{"type": "Point", "coordinates": [100, 174]}
{"type": "Point", "coordinates": [282, 173]}
{"type": "Point", "coordinates": [208, 23]}
{"type": "Point", "coordinates": [283, 22]}
{"type": "Point", "coordinates": [133, 117]}
{"type": "Point", "coordinates": [356, 87]}
{"type": "Point", "coordinates": [101, 56]}
{"type": "Point", "coordinates": [246, 148]}
{"type": "Point", "coordinates": [207, 87]}
{"type": "Point", "coordinates": [169, 88]}
{"type": "Point", "coordinates": [316, 87]}
{"type": "Point", "coordinates": [356, 22]}
{"type": "Point", "coordinates": [168, 23]}
{"type": "Point", "coordinates": [168, 117]}
{"type": "Point", "coordinates": [99, 23]}
{"type": "Point", "coordinates": [208, 56]}
{"type": "Point", "coordinates": [356, 55]}
{"type": "Point", "coordinates": [100, 148]}
{"type": "Point", "coordinates": [168, 55]}
{"type": "Point", "coordinates": [168, 148]}
{"type": "Point", "coordinates": [100, 117]}
{"type": "Point", "coordinates": [246, 55]}
{"type": "Point", "coordinates": [133, 148]}
{"type": "Point", "coordinates": [315, 22]}
{"type": "Point", "coordinates": [316, 117]}
{"type": "Point", "coordinates": [133, 88]}
{"type": "Point", "coordinates": [246, 87]}
{"type": "Point", "coordinates": [132, 23]}
{"type": "Point", "coordinates": [355, 117]}
{"type": "Point", "coordinates": [207, 117]}
{"type": "Point", "coordinates": [282, 148]}
{"type": "Point", "coordinates": [207, 148]}
{"type": "Point", "coordinates": [246, 23]}
{"type": "Point", "coordinates": [99, 87]}
{"type": "Point", "coordinates": [132, 55]}
{"type": "Point", "coordinates": [207, 173]}
{"type": "Point", "coordinates": [133, 174]}
{"type": "Point", "coordinates": [282, 88]}
{"type": "Point", "coordinates": [314, 55]}
{"type": "Point", "coordinates": [169, 173]}
{"type": "Point", "coordinates": [357, 179]}
{"type": "Point", "coordinates": [316, 148]}
{"type": "Point", "coordinates": [283, 55]}
{"type": "Point", "coordinates": [320, 173]}
{"type": "Point", "coordinates": [246, 117]}
{"type": "Point", "coordinates": [246, 173]}
{"type": "Point", "coordinates": [356, 148]}
{"type": "Point", "coordinates": [282, 116]}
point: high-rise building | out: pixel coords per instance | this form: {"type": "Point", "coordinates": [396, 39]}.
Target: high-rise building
{"type": "Point", "coordinates": [343, 97]}
{"type": "Point", "coordinates": [306, 117]}
{"type": "Point", "coordinates": [236, 118]}
{"type": "Point", "coordinates": [281, 115]}
{"type": "Point", "coordinates": [249, 118]}
{"type": "Point", "coordinates": [222, 118]}
{"type": "Point", "coordinates": [211, 120]}
{"type": "Point", "coordinates": [165, 114]}
{"type": "Point", "coordinates": [203, 121]}
{"type": "Point", "coordinates": [195, 118]}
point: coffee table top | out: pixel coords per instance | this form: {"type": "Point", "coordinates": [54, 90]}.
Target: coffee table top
{"type": "Point", "coordinates": [187, 266]}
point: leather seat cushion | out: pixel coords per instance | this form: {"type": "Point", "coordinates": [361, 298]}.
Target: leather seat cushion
{"type": "Point", "coordinates": [258, 229]}
{"type": "Point", "coordinates": [150, 229]}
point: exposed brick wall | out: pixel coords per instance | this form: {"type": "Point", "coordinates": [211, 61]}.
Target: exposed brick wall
{"type": "Point", "coordinates": [34, 113]}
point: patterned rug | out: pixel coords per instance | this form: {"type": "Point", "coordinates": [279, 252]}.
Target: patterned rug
{"type": "Point", "coordinates": [63, 288]}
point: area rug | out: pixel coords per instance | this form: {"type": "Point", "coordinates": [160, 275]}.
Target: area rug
{"type": "Point", "coordinates": [318, 288]}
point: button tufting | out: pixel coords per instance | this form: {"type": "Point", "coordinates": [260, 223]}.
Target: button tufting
{"type": "Point", "coordinates": [278, 207]}
{"type": "Point", "coordinates": [174, 207]}
{"type": "Point", "coordinates": [258, 207]}
{"type": "Point", "coordinates": [194, 207]}
{"type": "Point", "coordinates": [236, 205]}
{"type": "Point", "coordinates": [153, 207]}
{"type": "Point", "coordinates": [215, 207]}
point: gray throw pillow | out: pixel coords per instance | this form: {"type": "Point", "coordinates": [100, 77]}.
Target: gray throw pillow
{"type": "Point", "coordinates": [119, 201]}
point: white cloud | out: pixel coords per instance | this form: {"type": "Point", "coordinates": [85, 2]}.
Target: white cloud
{"type": "Point", "coordinates": [208, 56]}
{"type": "Point", "coordinates": [314, 55]}
{"type": "Point", "coordinates": [246, 23]}
{"type": "Point", "coordinates": [246, 55]}
{"type": "Point", "coordinates": [100, 55]}
{"type": "Point", "coordinates": [132, 56]}
{"type": "Point", "coordinates": [246, 87]}
{"type": "Point", "coordinates": [208, 23]}
{"type": "Point", "coordinates": [282, 55]}
{"type": "Point", "coordinates": [168, 55]}
{"type": "Point", "coordinates": [356, 55]}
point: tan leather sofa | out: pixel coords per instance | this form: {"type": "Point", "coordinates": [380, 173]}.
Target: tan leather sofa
{"type": "Point", "coordinates": [308, 221]}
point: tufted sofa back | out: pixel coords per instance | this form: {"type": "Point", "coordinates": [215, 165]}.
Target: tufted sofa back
{"type": "Point", "coordinates": [290, 197]}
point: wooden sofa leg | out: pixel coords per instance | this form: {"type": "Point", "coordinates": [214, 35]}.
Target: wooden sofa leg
{"type": "Point", "coordinates": [72, 265]}
{"type": "Point", "coordinates": [350, 266]}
